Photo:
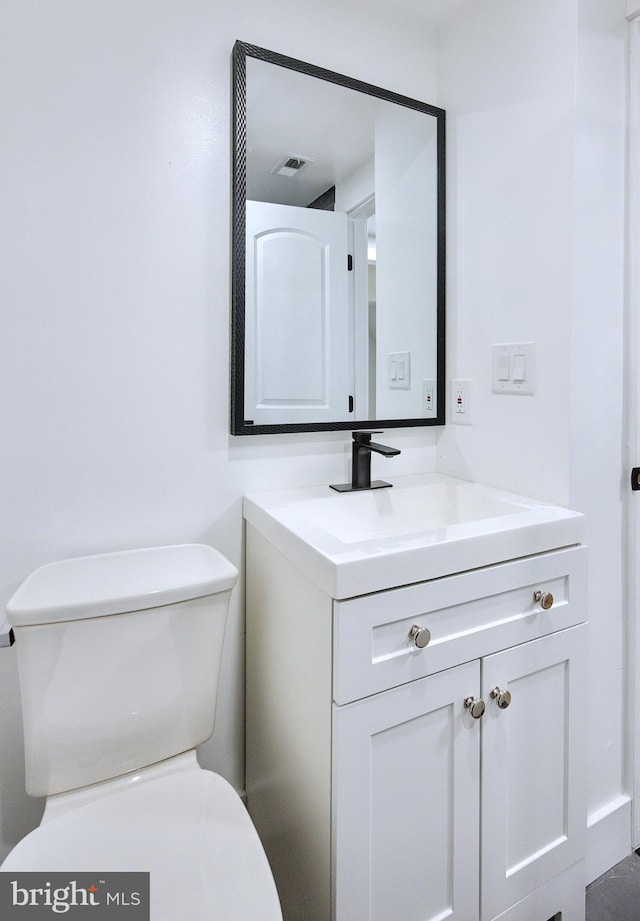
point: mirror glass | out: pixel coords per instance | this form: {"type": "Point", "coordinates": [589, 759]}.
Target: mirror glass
{"type": "Point", "coordinates": [338, 251]}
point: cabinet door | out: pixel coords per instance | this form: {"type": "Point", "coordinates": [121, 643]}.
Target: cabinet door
{"type": "Point", "coordinates": [533, 820]}
{"type": "Point", "coordinates": [406, 802]}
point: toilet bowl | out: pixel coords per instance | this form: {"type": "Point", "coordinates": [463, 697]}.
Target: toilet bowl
{"type": "Point", "coordinates": [188, 829]}
{"type": "Point", "coordinates": [119, 656]}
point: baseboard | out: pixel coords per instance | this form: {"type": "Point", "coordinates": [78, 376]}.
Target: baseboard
{"type": "Point", "coordinates": [608, 836]}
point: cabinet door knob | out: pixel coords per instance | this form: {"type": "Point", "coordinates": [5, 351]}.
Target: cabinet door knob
{"type": "Point", "coordinates": [475, 706]}
{"type": "Point", "coordinates": [421, 636]}
{"type": "Point", "coordinates": [502, 698]}
{"type": "Point", "coordinates": [544, 599]}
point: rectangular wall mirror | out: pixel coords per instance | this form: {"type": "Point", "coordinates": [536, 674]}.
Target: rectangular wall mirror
{"type": "Point", "coordinates": [338, 288]}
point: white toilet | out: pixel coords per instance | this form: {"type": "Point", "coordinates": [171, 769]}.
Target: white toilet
{"type": "Point", "coordinates": [119, 657]}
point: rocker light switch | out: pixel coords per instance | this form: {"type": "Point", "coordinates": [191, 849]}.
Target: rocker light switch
{"type": "Point", "coordinates": [519, 368]}
{"type": "Point", "coordinates": [504, 367]}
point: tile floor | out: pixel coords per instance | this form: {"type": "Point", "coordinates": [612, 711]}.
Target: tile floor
{"type": "Point", "coordinates": [615, 896]}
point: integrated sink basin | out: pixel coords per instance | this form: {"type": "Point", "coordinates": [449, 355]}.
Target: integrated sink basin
{"type": "Point", "coordinates": [424, 507]}
{"type": "Point", "coordinates": [424, 527]}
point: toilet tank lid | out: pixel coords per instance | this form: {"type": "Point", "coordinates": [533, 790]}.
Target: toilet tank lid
{"type": "Point", "coordinates": [113, 583]}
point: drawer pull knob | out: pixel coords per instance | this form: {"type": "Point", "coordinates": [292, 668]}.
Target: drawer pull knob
{"type": "Point", "coordinates": [544, 599]}
{"type": "Point", "coordinates": [421, 636]}
{"type": "Point", "coordinates": [502, 698]}
{"type": "Point", "coordinates": [475, 706]}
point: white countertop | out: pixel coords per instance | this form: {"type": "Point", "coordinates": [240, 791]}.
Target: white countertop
{"type": "Point", "coordinates": [424, 527]}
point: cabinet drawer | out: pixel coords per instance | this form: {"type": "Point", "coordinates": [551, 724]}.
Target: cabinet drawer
{"type": "Point", "coordinates": [468, 615]}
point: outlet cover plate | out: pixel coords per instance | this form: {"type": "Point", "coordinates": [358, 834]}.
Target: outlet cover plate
{"type": "Point", "coordinates": [429, 399]}
{"type": "Point", "coordinates": [460, 402]}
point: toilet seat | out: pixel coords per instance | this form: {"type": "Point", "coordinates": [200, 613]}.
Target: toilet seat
{"type": "Point", "coordinates": [190, 830]}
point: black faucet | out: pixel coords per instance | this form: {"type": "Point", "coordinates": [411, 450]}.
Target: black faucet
{"type": "Point", "coordinates": [361, 463]}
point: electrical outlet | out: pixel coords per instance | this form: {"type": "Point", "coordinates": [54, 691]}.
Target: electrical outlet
{"type": "Point", "coordinates": [429, 400]}
{"type": "Point", "coordinates": [460, 402]}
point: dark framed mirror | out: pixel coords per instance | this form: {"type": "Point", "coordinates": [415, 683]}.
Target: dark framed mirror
{"type": "Point", "coordinates": [338, 251]}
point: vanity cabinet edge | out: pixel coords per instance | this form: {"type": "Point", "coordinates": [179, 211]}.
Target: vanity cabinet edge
{"type": "Point", "coordinates": [288, 726]}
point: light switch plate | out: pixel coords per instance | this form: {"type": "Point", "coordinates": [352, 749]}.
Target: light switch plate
{"type": "Point", "coordinates": [514, 368]}
{"type": "Point", "coordinates": [399, 370]}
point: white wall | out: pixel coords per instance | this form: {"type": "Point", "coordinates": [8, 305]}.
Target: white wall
{"type": "Point", "coordinates": [406, 166]}
{"type": "Point", "coordinates": [507, 73]}
{"type": "Point", "coordinates": [115, 226]}
{"type": "Point", "coordinates": [599, 478]}
{"type": "Point", "coordinates": [535, 94]}
{"type": "Point", "coordinates": [115, 289]}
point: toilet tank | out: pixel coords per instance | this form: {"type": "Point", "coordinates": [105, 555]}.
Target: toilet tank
{"type": "Point", "coordinates": [119, 658]}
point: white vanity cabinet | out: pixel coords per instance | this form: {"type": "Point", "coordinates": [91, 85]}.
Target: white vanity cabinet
{"type": "Point", "coordinates": [379, 791]}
